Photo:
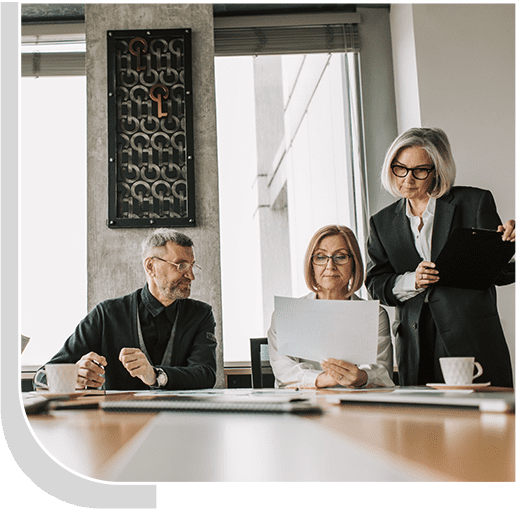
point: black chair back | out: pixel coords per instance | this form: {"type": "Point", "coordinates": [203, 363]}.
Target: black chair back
{"type": "Point", "coordinates": [262, 376]}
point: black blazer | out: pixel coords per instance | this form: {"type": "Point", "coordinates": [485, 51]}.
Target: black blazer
{"type": "Point", "coordinates": [467, 320]}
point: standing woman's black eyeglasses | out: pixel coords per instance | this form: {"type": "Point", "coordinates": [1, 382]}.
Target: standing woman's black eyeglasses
{"type": "Point", "coordinates": [418, 173]}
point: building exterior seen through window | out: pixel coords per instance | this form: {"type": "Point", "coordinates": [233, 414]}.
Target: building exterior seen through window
{"type": "Point", "coordinates": [286, 169]}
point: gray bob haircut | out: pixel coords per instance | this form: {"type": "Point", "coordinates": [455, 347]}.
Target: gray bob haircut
{"type": "Point", "coordinates": [160, 237]}
{"type": "Point", "coordinates": [435, 142]}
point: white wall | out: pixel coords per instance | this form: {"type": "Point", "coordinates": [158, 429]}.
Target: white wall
{"type": "Point", "coordinates": [464, 65]}
{"type": "Point", "coordinates": [466, 70]}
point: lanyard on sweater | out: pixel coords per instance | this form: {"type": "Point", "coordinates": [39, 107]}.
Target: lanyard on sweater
{"type": "Point", "coordinates": [166, 359]}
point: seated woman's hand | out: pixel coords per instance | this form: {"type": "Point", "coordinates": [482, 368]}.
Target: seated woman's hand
{"type": "Point", "coordinates": [337, 372]}
{"type": "Point", "coordinates": [508, 230]}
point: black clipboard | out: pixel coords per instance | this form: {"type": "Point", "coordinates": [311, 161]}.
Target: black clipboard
{"type": "Point", "coordinates": [473, 258]}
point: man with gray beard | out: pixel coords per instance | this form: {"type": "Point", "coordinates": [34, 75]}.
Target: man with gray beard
{"type": "Point", "coordinates": [156, 337]}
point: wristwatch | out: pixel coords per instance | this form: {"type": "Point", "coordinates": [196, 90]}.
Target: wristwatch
{"type": "Point", "coordinates": [162, 379]}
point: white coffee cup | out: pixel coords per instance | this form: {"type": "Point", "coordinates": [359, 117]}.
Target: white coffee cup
{"type": "Point", "coordinates": [61, 378]}
{"type": "Point", "coordinates": [459, 370]}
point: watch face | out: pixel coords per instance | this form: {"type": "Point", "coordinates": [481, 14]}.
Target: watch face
{"type": "Point", "coordinates": [162, 378]}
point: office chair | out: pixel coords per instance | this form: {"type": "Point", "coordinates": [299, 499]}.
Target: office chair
{"type": "Point", "coordinates": [262, 375]}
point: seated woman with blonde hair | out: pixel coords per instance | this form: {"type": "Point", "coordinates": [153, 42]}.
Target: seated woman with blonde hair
{"type": "Point", "coordinates": [334, 271]}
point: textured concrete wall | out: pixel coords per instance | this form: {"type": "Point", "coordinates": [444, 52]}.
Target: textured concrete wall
{"type": "Point", "coordinates": [378, 99]}
{"type": "Point", "coordinates": [114, 263]}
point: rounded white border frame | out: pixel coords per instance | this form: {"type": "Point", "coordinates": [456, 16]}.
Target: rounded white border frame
{"type": "Point", "coordinates": [32, 460]}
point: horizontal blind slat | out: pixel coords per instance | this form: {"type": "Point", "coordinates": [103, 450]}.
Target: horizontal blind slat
{"type": "Point", "coordinates": [286, 40]}
{"type": "Point", "coordinates": [228, 42]}
{"type": "Point", "coordinates": [53, 64]}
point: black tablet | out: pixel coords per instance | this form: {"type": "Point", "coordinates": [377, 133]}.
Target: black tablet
{"type": "Point", "coordinates": [473, 258]}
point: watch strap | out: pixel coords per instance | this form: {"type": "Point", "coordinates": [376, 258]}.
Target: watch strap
{"type": "Point", "coordinates": [161, 380]}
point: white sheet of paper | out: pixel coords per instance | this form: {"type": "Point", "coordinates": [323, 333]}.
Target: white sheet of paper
{"type": "Point", "coordinates": [321, 329]}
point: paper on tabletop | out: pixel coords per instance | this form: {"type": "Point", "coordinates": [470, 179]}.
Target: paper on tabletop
{"type": "Point", "coordinates": [321, 329]}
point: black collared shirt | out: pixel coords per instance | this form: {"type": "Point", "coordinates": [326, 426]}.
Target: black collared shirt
{"type": "Point", "coordinates": [156, 324]}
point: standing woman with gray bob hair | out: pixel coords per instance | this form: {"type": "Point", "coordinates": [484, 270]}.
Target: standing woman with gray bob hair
{"type": "Point", "coordinates": [436, 144]}
{"type": "Point", "coordinates": [405, 238]}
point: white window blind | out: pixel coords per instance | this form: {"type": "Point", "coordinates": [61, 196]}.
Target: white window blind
{"type": "Point", "coordinates": [286, 40]}
{"type": "Point", "coordinates": [53, 64]}
{"type": "Point", "coordinates": [53, 49]}
{"type": "Point", "coordinates": [285, 34]}
{"type": "Point", "coordinates": [233, 36]}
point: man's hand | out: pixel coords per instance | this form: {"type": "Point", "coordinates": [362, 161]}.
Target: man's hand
{"type": "Point", "coordinates": [91, 371]}
{"type": "Point", "coordinates": [134, 360]}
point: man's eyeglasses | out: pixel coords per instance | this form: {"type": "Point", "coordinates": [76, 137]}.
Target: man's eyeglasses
{"type": "Point", "coordinates": [418, 173]}
{"type": "Point", "coordinates": [183, 267]}
{"type": "Point", "coordinates": [338, 259]}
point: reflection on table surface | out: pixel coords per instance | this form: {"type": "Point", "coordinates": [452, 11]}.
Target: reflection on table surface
{"type": "Point", "coordinates": [431, 443]}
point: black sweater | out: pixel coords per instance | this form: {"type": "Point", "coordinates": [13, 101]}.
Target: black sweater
{"type": "Point", "coordinates": [112, 325]}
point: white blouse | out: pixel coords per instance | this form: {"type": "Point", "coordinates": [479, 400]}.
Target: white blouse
{"type": "Point", "coordinates": [291, 371]}
{"type": "Point", "coordinates": [404, 288]}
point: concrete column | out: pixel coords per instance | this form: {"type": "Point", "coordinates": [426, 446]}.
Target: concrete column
{"type": "Point", "coordinates": [114, 263]}
{"type": "Point", "coordinates": [404, 67]}
{"type": "Point", "coordinates": [378, 99]}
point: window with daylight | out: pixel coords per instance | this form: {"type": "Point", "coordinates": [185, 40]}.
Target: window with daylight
{"type": "Point", "coordinates": [290, 161]}
{"type": "Point", "coordinates": [53, 275]}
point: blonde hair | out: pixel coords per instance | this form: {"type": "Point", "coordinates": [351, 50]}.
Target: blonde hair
{"type": "Point", "coordinates": [435, 142]}
{"type": "Point", "coordinates": [357, 273]}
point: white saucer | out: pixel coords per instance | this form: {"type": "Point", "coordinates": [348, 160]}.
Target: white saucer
{"type": "Point", "coordinates": [446, 387]}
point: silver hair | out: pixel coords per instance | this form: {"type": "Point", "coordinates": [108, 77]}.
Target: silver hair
{"type": "Point", "coordinates": [435, 142]}
{"type": "Point", "coordinates": [160, 237]}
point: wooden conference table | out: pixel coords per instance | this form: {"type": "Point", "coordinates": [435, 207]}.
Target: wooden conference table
{"type": "Point", "coordinates": [384, 442]}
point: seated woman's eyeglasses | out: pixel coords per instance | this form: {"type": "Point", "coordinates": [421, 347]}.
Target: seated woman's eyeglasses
{"type": "Point", "coordinates": [338, 259]}
{"type": "Point", "coordinates": [183, 267]}
{"type": "Point", "coordinates": [418, 173]}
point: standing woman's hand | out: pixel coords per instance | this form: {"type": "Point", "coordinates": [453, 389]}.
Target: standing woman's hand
{"type": "Point", "coordinates": [508, 230]}
{"type": "Point", "coordinates": [425, 275]}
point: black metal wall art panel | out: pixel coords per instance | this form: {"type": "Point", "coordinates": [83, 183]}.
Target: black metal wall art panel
{"type": "Point", "coordinates": [150, 129]}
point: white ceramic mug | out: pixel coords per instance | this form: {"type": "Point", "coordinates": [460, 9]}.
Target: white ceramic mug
{"type": "Point", "coordinates": [61, 378]}
{"type": "Point", "coordinates": [459, 370]}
